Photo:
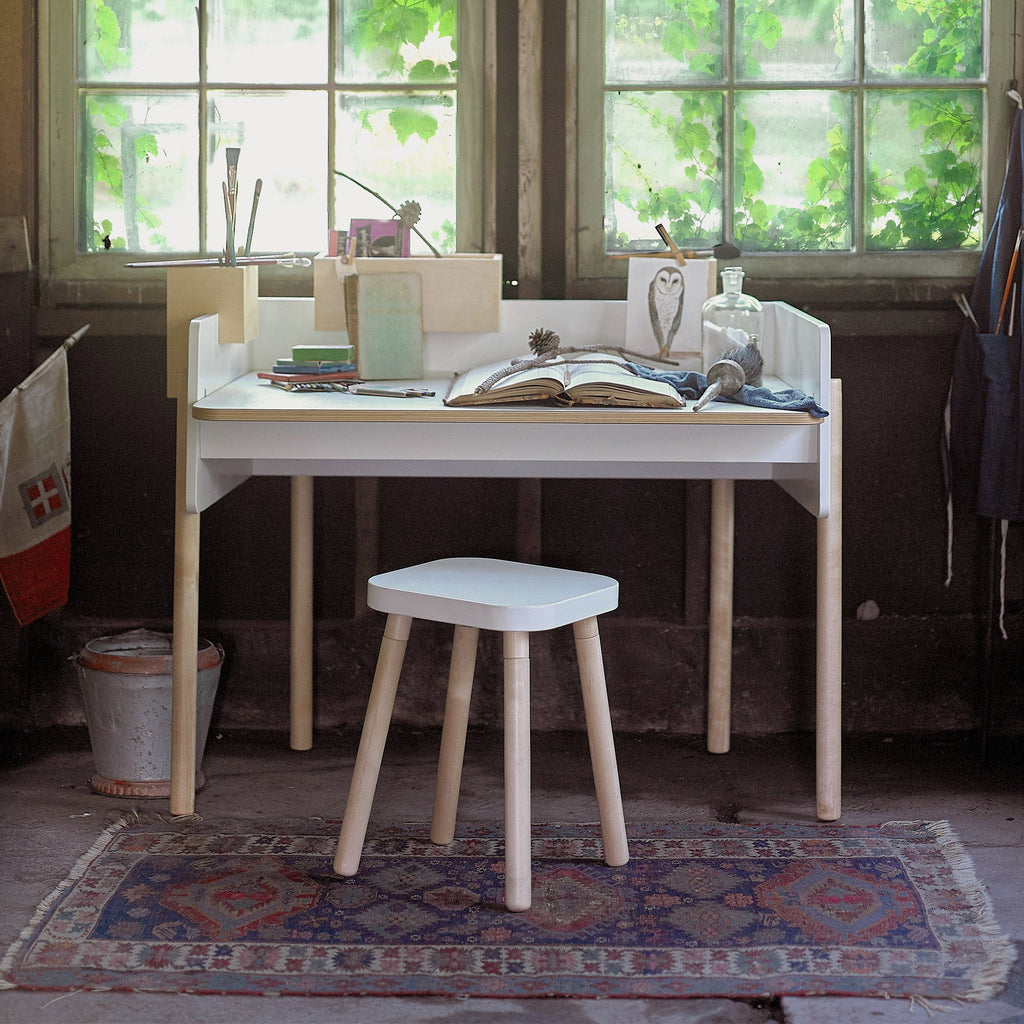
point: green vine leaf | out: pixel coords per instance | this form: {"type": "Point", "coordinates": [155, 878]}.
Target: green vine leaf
{"type": "Point", "coordinates": [406, 123]}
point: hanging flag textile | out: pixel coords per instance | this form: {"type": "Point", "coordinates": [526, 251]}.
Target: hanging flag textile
{"type": "Point", "coordinates": [35, 490]}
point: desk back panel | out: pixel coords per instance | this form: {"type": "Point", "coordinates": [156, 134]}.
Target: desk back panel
{"type": "Point", "coordinates": [796, 345]}
{"type": "Point", "coordinates": [285, 322]}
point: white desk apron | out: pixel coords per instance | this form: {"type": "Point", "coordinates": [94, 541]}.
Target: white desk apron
{"type": "Point", "coordinates": [232, 426]}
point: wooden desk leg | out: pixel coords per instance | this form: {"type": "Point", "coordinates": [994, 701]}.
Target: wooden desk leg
{"type": "Point", "coordinates": [301, 653]}
{"type": "Point", "coordinates": [185, 643]}
{"type": "Point", "coordinates": [723, 507]}
{"type": "Point", "coordinates": [830, 627]}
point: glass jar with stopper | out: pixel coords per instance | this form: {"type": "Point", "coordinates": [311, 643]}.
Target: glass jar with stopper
{"type": "Point", "coordinates": [729, 319]}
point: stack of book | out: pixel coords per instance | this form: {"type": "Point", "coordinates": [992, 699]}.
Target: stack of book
{"type": "Point", "coordinates": [314, 364]}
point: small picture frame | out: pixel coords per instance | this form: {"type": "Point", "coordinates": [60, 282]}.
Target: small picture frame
{"type": "Point", "coordinates": [663, 306]}
{"type": "Point", "coordinates": [379, 237]}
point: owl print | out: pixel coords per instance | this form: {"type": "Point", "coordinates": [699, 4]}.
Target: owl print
{"type": "Point", "coordinates": [665, 302]}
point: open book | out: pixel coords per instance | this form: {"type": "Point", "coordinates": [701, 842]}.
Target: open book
{"type": "Point", "coordinates": [579, 378]}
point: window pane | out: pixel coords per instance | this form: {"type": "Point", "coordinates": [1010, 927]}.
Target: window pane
{"type": "Point", "coordinates": [663, 164]}
{"type": "Point", "coordinates": [935, 40]}
{"type": "Point", "coordinates": [139, 160]}
{"type": "Point", "coordinates": [403, 147]}
{"type": "Point", "coordinates": [923, 154]}
{"type": "Point", "coordinates": [794, 40]}
{"type": "Point", "coordinates": [655, 41]}
{"type": "Point", "coordinates": [151, 41]}
{"type": "Point", "coordinates": [279, 41]}
{"type": "Point", "coordinates": [391, 42]}
{"type": "Point", "coordinates": [793, 171]}
{"type": "Point", "coordinates": [283, 141]}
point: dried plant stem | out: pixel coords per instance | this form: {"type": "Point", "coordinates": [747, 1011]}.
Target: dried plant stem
{"type": "Point", "coordinates": [622, 352]}
{"type": "Point", "coordinates": [393, 209]}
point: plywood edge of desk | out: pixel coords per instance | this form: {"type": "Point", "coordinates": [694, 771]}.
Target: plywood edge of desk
{"type": "Point", "coordinates": [405, 411]}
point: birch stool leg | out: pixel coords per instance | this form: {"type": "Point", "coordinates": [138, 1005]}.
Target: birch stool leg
{"type": "Point", "coordinates": [371, 744]}
{"type": "Point", "coordinates": [516, 646]}
{"type": "Point", "coordinates": [601, 740]}
{"type": "Point", "coordinates": [453, 734]}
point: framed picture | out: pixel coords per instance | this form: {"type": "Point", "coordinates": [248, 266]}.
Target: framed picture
{"type": "Point", "coordinates": [379, 237]}
{"type": "Point", "coordinates": [663, 304]}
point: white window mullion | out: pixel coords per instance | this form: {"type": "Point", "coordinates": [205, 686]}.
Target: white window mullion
{"type": "Point", "coordinates": [729, 120]}
{"type": "Point", "coordinates": [204, 128]}
{"type": "Point", "coordinates": [859, 170]}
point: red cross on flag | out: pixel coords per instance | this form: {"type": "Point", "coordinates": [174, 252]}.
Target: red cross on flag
{"type": "Point", "coordinates": [35, 490]}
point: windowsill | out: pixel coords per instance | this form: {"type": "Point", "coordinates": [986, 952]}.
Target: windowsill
{"type": "Point", "coordinates": [853, 307]}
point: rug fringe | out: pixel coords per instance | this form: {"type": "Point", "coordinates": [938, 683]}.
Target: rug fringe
{"type": "Point", "coordinates": [1001, 952]}
{"type": "Point", "coordinates": [126, 820]}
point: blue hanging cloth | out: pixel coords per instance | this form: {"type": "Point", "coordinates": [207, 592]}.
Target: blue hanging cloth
{"type": "Point", "coordinates": [985, 464]}
{"type": "Point", "coordinates": [984, 430]}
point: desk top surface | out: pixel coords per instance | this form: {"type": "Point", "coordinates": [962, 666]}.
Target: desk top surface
{"type": "Point", "coordinates": [250, 399]}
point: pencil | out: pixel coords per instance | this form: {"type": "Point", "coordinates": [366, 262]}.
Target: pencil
{"type": "Point", "coordinates": [1009, 281]}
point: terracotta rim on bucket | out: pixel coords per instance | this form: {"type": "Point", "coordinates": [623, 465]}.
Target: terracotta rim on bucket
{"type": "Point", "coordinates": [141, 652]}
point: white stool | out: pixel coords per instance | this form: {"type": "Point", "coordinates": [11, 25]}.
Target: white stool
{"type": "Point", "coordinates": [518, 599]}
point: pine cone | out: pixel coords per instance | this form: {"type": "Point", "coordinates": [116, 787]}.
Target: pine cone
{"type": "Point", "coordinates": [409, 212]}
{"type": "Point", "coordinates": [544, 342]}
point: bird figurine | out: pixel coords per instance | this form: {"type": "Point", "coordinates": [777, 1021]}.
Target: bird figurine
{"type": "Point", "coordinates": [665, 303]}
{"type": "Point", "coordinates": [742, 364]}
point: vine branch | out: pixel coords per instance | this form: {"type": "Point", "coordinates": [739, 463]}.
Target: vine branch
{"type": "Point", "coordinates": [393, 209]}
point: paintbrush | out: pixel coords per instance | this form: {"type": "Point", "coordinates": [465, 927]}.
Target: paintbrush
{"type": "Point", "coordinates": [1009, 281]}
{"type": "Point", "coordinates": [742, 364]}
{"type": "Point", "coordinates": [231, 154]}
{"type": "Point", "coordinates": [252, 216]}
{"type": "Point", "coordinates": [673, 248]}
{"type": "Point", "coordinates": [284, 259]}
{"type": "Point", "coordinates": [720, 251]}
{"type": "Point", "coordinates": [230, 254]}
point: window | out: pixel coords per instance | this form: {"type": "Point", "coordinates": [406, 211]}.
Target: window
{"type": "Point", "coordinates": [805, 132]}
{"type": "Point", "coordinates": [390, 94]}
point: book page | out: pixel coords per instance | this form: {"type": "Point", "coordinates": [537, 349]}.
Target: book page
{"type": "Point", "coordinates": [603, 380]}
{"type": "Point", "coordinates": [523, 385]}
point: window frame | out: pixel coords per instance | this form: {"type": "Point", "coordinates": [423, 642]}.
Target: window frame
{"type": "Point", "coordinates": [590, 270]}
{"type": "Point", "coordinates": [68, 277]}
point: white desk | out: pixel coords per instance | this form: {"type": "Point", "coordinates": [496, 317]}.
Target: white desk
{"type": "Point", "coordinates": [232, 426]}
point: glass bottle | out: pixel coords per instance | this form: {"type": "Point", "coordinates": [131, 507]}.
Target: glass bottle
{"type": "Point", "coordinates": [728, 319]}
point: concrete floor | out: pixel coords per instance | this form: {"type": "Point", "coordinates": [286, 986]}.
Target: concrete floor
{"type": "Point", "coordinates": [50, 817]}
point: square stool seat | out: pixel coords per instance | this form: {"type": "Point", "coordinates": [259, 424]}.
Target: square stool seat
{"type": "Point", "coordinates": [516, 599]}
{"type": "Point", "coordinates": [489, 593]}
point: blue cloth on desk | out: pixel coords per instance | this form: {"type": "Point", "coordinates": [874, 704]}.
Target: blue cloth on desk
{"type": "Point", "coordinates": [691, 384]}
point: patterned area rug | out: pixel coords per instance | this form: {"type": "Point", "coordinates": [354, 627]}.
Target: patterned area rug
{"type": "Point", "coordinates": [700, 910]}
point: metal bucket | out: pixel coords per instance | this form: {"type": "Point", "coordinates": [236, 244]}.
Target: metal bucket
{"type": "Point", "coordinates": [126, 686]}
